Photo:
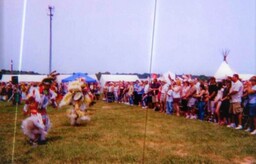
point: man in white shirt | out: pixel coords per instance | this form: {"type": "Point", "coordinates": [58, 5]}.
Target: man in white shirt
{"type": "Point", "coordinates": [235, 94]}
{"type": "Point", "coordinates": [164, 90]}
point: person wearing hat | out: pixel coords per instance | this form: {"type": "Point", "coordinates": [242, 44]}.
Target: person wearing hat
{"type": "Point", "coordinates": [44, 99]}
{"type": "Point", "coordinates": [236, 110]}
{"type": "Point", "coordinates": [33, 126]}
{"type": "Point", "coordinates": [251, 92]}
{"type": "Point", "coordinates": [37, 125]}
{"type": "Point", "coordinates": [75, 96]}
{"type": "Point", "coordinates": [46, 96]}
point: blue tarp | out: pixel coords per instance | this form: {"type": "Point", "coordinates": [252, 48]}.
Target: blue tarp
{"type": "Point", "coordinates": [76, 76]}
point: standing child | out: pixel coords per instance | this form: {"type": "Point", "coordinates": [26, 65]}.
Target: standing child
{"type": "Point", "coordinates": [169, 100]}
{"type": "Point", "coordinates": [201, 101]}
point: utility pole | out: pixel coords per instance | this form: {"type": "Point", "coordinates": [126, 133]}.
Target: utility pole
{"type": "Point", "coordinates": [51, 8]}
{"type": "Point", "coordinates": [11, 66]}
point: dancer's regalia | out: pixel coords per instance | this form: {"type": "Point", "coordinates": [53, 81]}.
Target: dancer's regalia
{"type": "Point", "coordinates": [33, 126]}
{"type": "Point", "coordinates": [77, 114]}
{"type": "Point", "coordinates": [38, 124]}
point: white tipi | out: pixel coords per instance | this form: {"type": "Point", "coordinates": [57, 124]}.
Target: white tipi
{"type": "Point", "coordinates": [224, 69]}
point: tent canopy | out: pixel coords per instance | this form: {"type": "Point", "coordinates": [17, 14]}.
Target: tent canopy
{"type": "Point", "coordinates": [76, 76]}
{"type": "Point", "coordinates": [223, 71]}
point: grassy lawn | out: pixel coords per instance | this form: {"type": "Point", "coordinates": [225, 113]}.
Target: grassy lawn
{"type": "Point", "coordinates": [116, 134]}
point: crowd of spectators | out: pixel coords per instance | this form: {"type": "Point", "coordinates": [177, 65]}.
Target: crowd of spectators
{"type": "Point", "coordinates": [230, 102]}
{"type": "Point", "coordinates": [16, 93]}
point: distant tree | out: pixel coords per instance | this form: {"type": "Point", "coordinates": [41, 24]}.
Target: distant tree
{"type": "Point", "coordinates": [144, 75]}
{"type": "Point", "coordinates": [106, 73]}
{"type": "Point", "coordinates": [203, 77]}
{"type": "Point", "coordinates": [15, 72]}
{"type": "Point", "coordinates": [3, 71]}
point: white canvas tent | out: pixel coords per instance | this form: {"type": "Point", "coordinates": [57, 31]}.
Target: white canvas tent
{"type": "Point", "coordinates": [115, 78]}
{"type": "Point", "coordinates": [245, 76]}
{"type": "Point", "coordinates": [224, 69]}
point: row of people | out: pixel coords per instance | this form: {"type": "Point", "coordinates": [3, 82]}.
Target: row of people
{"type": "Point", "coordinates": [228, 102]}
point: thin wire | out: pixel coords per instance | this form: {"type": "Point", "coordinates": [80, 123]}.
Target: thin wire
{"type": "Point", "coordinates": [14, 133]}
{"type": "Point", "coordinates": [255, 36]}
{"type": "Point", "coordinates": [20, 65]}
{"type": "Point", "coordinates": [150, 71]}
{"type": "Point", "coordinates": [153, 39]}
{"type": "Point", "coordinates": [22, 33]}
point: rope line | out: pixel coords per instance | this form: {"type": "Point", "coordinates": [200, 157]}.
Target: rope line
{"type": "Point", "coordinates": [14, 133]}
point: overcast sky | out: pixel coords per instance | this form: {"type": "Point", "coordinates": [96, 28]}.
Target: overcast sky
{"type": "Point", "coordinates": [116, 35]}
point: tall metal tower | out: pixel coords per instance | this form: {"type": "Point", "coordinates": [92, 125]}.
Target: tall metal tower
{"type": "Point", "coordinates": [11, 66]}
{"type": "Point", "coordinates": [51, 8]}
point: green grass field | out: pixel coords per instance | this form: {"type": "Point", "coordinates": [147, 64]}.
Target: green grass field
{"type": "Point", "coordinates": [116, 134]}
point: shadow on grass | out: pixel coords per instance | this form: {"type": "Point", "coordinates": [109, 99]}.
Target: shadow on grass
{"type": "Point", "coordinates": [84, 124]}
{"type": "Point", "coordinates": [54, 138]}
{"type": "Point", "coordinates": [51, 139]}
